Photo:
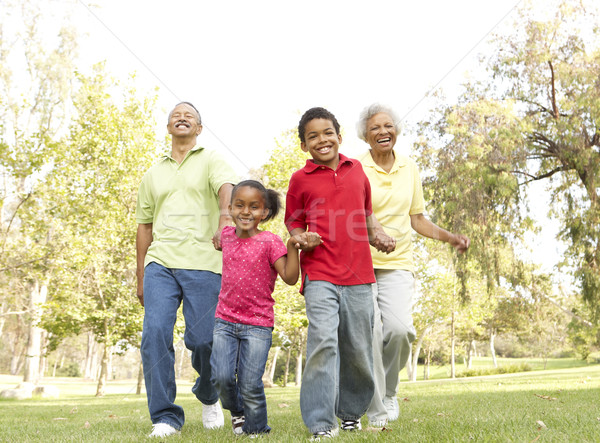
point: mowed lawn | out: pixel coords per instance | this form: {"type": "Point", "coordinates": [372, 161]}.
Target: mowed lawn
{"type": "Point", "coordinates": [556, 405]}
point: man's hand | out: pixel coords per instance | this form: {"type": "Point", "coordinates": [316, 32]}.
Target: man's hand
{"type": "Point", "coordinates": [306, 241]}
{"type": "Point", "coordinates": [216, 240]}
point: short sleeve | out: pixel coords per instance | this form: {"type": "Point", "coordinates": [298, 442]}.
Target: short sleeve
{"type": "Point", "coordinates": [144, 211]}
{"type": "Point", "coordinates": [295, 217]}
{"type": "Point", "coordinates": [219, 172]}
{"type": "Point", "coordinates": [277, 249]}
{"type": "Point", "coordinates": [417, 204]}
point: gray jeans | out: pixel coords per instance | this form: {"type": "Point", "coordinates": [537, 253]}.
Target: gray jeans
{"type": "Point", "coordinates": [393, 332]}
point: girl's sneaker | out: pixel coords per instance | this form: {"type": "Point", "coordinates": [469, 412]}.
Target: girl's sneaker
{"type": "Point", "coordinates": [237, 421]}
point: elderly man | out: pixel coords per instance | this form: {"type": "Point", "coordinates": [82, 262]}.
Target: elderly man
{"type": "Point", "coordinates": [181, 209]}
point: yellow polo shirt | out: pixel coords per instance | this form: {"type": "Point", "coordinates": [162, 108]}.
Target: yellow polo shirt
{"type": "Point", "coordinates": [396, 196]}
{"type": "Point", "coordinates": [181, 201]}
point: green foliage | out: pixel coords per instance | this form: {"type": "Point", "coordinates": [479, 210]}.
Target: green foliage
{"type": "Point", "coordinates": [504, 369]}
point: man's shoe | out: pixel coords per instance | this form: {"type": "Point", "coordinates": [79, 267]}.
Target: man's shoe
{"type": "Point", "coordinates": [391, 405]}
{"type": "Point", "coordinates": [237, 421]}
{"type": "Point", "coordinates": [212, 416]}
{"type": "Point", "coordinates": [162, 430]}
{"type": "Point", "coordinates": [317, 436]}
{"type": "Point", "coordinates": [351, 425]}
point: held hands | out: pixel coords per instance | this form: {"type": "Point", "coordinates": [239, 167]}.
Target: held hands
{"type": "Point", "coordinates": [381, 241]}
{"type": "Point", "coordinates": [460, 242]}
{"type": "Point", "coordinates": [306, 241]}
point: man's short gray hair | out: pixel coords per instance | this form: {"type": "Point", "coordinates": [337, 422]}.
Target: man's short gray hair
{"type": "Point", "coordinates": [370, 111]}
{"type": "Point", "coordinates": [190, 105]}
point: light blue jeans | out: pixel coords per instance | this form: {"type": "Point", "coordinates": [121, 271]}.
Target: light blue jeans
{"type": "Point", "coordinates": [164, 290]}
{"type": "Point", "coordinates": [338, 377]}
{"type": "Point", "coordinates": [239, 357]}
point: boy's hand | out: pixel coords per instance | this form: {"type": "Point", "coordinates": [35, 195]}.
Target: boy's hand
{"type": "Point", "coordinates": [306, 241]}
{"type": "Point", "coordinates": [383, 242]}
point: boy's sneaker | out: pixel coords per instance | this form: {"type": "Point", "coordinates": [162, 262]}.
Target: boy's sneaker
{"type": "Point", "coordinates": [391, 405]}
{"type": "Point", "coordinates": [317, 436]}
{"type": "Point", "coordinates": [237, 421]}
{"type": "Point", "coordinates": [212, 416]}
{"type": "Point", "coordinates": [351, 425]}
{"type": "Point", "coordinates": [162, 430]}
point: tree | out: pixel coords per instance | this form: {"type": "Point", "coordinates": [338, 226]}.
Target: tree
{"type": "Point", "coordinates": [94, 189]}
{"type": "Point", "coordinates": [33, 107]}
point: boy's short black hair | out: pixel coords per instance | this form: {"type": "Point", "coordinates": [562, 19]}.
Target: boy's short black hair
{"type": "Point", "coordinates": [312, 114]}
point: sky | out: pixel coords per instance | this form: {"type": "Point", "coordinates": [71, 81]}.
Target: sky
{"type": "Point", "coordinates": [252, 68]}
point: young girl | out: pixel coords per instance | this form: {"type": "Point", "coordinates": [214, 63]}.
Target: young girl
{"type": "Point", "coordinates": [244, 318]}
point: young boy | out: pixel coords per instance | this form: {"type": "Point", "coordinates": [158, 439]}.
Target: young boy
{"type": "Point", "coordinates": [332, 197]}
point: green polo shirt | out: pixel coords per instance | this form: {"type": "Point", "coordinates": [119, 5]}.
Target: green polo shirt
{"type": "Point", "coordinates": [181, 201]}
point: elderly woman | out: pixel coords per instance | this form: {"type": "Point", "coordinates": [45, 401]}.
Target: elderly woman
{"type": "Point", "coordinates": [398, 204]}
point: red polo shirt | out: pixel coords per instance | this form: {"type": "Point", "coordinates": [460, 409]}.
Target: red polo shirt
{"type": "Point", "coordinates": [335, 205]}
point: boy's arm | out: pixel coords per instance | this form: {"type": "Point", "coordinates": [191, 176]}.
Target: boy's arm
{"type": "Point", "coordinates": [288, 267]}
{"type": "Point", "coordinates": [377, 237]}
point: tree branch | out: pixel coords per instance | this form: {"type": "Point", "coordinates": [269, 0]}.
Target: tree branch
{"type": "Point", "coordinates": [554, 106]}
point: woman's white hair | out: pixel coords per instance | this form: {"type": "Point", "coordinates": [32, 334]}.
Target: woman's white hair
{"type": "Point", "coordinates": [370, 111]}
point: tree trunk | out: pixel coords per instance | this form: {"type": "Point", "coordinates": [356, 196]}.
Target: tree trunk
{"type": "Point", "coordinates": [452, 346]}
{"type": "Point", "coordinates": [43, 357]}
{"type": "Point", "coordinates": [101, 390]}
{"type": "Point", "coordinates": [89, 357]}
{"type": "Point", "coordinates": [271, 371]}
{"type": "Point", "coordinates": [299, 360]}
{"type": "Point", "coordinates": [493, 347]}
{"type": "Point", "coordinates": [415, 356]}
{"type": "Point", "coordinates": [426, 365]}
{"type": "Point", "coordinates": [287, 366]}
{"type": "Point", "coordinates": [470, 351]}
{"type": "Point", "coordinates": [140, 380]}
{"type": "Point", "coordinates": [34, 343]}
{"type": "Point", "coordinates": [409, 367]}
{"type": "Point", "coordinates": [181, 359]}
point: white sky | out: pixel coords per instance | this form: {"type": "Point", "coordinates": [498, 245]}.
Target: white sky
{"type": "Point", "coordinates": [252, 67]}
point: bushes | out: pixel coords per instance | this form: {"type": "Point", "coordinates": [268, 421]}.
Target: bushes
{"type": "Point", "coordinates": [506, 369]}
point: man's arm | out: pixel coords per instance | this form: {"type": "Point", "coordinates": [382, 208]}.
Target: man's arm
{"type": "Point", "coordinates": [428, 229]}
{"type": "Point", "coordinates": [224, 217]}
{"type": "Point", "coordinates": [143, 240]}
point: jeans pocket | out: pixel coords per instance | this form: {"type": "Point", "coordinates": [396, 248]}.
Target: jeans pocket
{"type": "Point", "coordinates": [260, 332]}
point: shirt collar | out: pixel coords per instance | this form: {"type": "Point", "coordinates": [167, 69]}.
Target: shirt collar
{"type": "Point", "coordinates": [311, 166]}
{"type": "Point", "coordinates": [367, 160]}
{"type": "Point", "coordinates": [167, 155]}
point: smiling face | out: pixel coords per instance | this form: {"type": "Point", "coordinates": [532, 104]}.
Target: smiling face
{"type": "Point", "coordinates": [183, 122]}
{"type": "Point", "coordinates": [322, 142]}
{"type": "Point", "coordinates": [247, 210]}
{"type": "Point", "coordinates": [381, 133]}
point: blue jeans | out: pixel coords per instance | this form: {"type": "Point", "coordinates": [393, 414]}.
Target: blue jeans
{"type": "Point", "coordinates": [164, 290]}
{"type": "Point", "coordinates": [238, 359]}
{"type": "Point", "coordinates": [338, 377]}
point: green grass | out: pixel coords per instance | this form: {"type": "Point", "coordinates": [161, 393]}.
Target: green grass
{"type": "Point", "coordinates": [536, 364]}
{"type": "Point", "coordinates": [492, 408]}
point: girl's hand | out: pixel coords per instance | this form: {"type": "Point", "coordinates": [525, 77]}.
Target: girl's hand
{"type": "Point", "coordinates": [306, 241]}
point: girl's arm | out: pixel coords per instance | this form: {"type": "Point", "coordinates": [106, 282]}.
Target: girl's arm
{"type": "Point", "coordinates": [288, 266]}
